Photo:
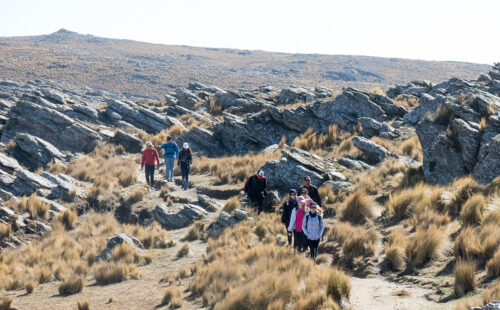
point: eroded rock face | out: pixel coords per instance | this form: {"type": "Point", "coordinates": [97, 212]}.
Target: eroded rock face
{"type": "Point", "coordinates": [374, 153]}
{"type": "Point", "coordinates": [34, 152]}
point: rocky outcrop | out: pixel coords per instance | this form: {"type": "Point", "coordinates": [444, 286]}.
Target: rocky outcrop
{"type": "Point", "coordinates": [372, 128]}
{"type": "Point", "coordinates": [453, 142]}
{"type": "Point", "coordinates": [208, 203]}
{"type": "Point", "coordinates": [34, 152]}
{"type": "Point", "coordinates": [118, 239]}
{"type": "Point", "coordinates": [50, 125]}
{"type": "Point", "coordinates": [130, 143]}
{"type": "Point", "coordinates": [373, 152]}
{"type": "Point", "coordinates": [176, 219]}
{"type": "Point", "coordinates": [494, 305]}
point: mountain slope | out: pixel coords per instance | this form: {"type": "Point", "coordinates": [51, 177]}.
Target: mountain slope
{"type": "Point", "coordinates": [144, 69]}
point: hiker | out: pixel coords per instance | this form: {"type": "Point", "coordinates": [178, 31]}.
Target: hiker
{"type": "Point", "coordinates": [184, 162]}
{"type": "Point", "coordinates": [171, 153]}
{"type": "Point", "coordinates": [296, 219]}
{"type": "Point", "coordinates": [304, 194]}
{"type": "Point", "coordinates": [255, 188]}
{"type": "Point", "coordinates": [312, 190]}
{"type": "Point", "coordinates": [149, 158]}
{"type": "Point", "coordinates": [288, 206]}
{"type": "Point", "coordinates": [313, 227]}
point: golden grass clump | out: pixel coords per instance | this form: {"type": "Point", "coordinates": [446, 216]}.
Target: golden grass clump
{"type": "Point", "coordinates": [473, 209]}
{"type": "Point", "coordinates": [232, 204]}
{"type": "Point", "coordinates": [425, 245]}
{"type": "Point", "coordinates": [358, 208]}
{"type": "Point", "coordinates": [195, 231]}
{"type": "Point", "coordinates": [83, 305]}
{"type": "Point", "coordinates": [111, 272]}
{"type": "Point", "coordinates": [310, 140]}
{"type": "Point", "coordinates": [464, 188]}
{"type": "Point", "coordinates": [493, 265]}
{"type": "Point", "coordinates": [464, 277]}
{"type": "Point", "coordinates": [411, 147]}
{"type": "Point", "coordinates": [67, 218]}
{"type": "Point", "coordinates": [239, 273]}
{"type": "Point", "coordinates": [355, 240]}
{"type": "Point", "coordinates": [184, 250]}
{"type": "Point", "coordinates": [395, 252]}
{"type": "Point", "coordinates": [338, 286]}
{"type": "Point", "coordinates": [135, 196]}
{"type": "Point", "coordinates": [5, 230]}
{"type": "Point", "coordinates": [170, 294]}
{"type": "Point", "coordinates": [72, 286]}
{"type": "Point", "coordinates": [34, 205]}
{"type": "Point", "coordinates": [5, 303]}
{"type": "Point", "coordinates": [402, 204]}
{"type": "Point", "coordinates": [407, 102]}
{"type": "Point", "coordinates": [30, 286]}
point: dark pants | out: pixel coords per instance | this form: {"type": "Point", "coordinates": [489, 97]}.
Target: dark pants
{"type": "Point", "coordinates": [313, 247]}
{"type": "Point", "coordinates": [299, 241]}
{"type": "Point", "coordinates": [259, 201]}
{"type": "Point", "coordinates": [150, 174]}
{"type": "Point", "coordinates": [185, 174]}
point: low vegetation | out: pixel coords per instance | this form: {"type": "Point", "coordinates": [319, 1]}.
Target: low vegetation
{"type": "Point", "coordinates": [464, 277]}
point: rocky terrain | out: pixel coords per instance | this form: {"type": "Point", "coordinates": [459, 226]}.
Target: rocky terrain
{"type": "Point", "coordinates": [142, 69]}
{"type": "Point", "coordinates": [409, 180]}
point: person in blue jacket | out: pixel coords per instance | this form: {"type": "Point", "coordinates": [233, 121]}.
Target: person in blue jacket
{"type": "Point", "coordinates": [312, 226]}
{"type": "Point", "coordinates": [171, 153]}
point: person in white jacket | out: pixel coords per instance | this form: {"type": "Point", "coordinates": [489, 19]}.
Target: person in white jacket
{"type": "Point", "coordinates": [313, 227]}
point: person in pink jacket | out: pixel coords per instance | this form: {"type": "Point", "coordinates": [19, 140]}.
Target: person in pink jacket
{"type": "Point", "coordinates": [296, 219]}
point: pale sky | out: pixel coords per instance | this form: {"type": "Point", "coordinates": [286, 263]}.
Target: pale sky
{"type": "Point", "coordinates": [425, 29]}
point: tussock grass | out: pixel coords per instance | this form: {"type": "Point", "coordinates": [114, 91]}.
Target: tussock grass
{"type": "Point", "coordinates": [170, 294]}
{"type": "Point", "coordinates": [135, 196]}
{"type": "Point", "coordinates": [488, 295]}
{"type": "Point", "coordinates": [72, 286]}
{"type": "Point", "coordinates": [195, 231]}
{"type": "Point", "coordinates": [5, 303]}
{"type": "Point", "coordinates": [358, 208]}
{"type": "Point", "coordinates": [83, 305]}
{"type": "Point", "coordinates": [240, 273]}
{"type": "Point", "coordinates": [311, 141]}
{"type": "Point", "coordinates": [5, 230]}
{"type": "Point", "coordinates": [355, 240]}
{"type": "Point", "coordinates": [30, 286]}
{"type": "Point", "coordinates": [425, 245]}
{"type": "Point", "coordinates": [406, 102]}
{"type": "Point", "coordinates": [161, 137]}
{"type": "Point", "coordinates": [67, 218]}
{"type": "Point", "coordinates": [183, 251]}
{"type": "Point", "coordinates": [111, 272]}
{"type": "Point", "coordinates": [472, 210]}
{"type": "Point", "coordinates": [232, 204]}
{"type": "Point", "coordinates": [34, 205]}
{"type": "Point", "coordinates": [411, 147]}
{"type": "Point", "coordinates": [464, 277]}
{"type": "Point", "coordinates": [493, 265]}
{"type": "Point", "coordinates": [395, 251]}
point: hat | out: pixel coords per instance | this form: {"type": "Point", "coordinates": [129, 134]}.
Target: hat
{"type": "Point", "coordinates": [261, 173]}
{"type": "Point", "coordinates": [169, 138]}
{"type": "Point", "coordinates": [313, 204]}
{"type": "Point", "coordinates": [185, 145]}
{"type": "Point", "coordinates": [149, 143]}
{"type": "Point", "coordinates": [293, 191]}
{"type": "Point", "coordinates": [307, 178]}
{"type": "Point", "coordinates": [301, 199]}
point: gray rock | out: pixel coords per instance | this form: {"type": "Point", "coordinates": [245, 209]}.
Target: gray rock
{"type": "Point", "coordinates": [54, 206]}
{"type": "Point", "coordinates": [226, 220]}
{"type": "Point", "coordinates": [468, 139]}
{"type": "Point", "coordinates": [427, 104]}
{"type": "Point", "coordinates": [240, 215]}
{"type": "Point", "coordinates": [118, 239]}
{"type": "Point", "coordinates": [353, 164]}
{"type": "Point", "coordinates": [41, 227]}
{"type": "Point", "coordinates": [494, 305]}
{"type": "Point", "coordinates": [208, 203]}
{"type": "Point", "coordinates": [177, 219]}
{"type": "Point", "coordinates": [34, 152]}
{"type": "Point", "coordinates": [294, 94]}
{"type": "Point", "coordinates": [186, 98]}
{"type": "Point", "coordinates": [8, 164]}
{"type": "Point", "coordinates": [6, 212]}
{"type": "Point", "coordinates": [487, 167]}
{"type": "Point", "coordinates": [130, 143]}
{"type": "Point", "coordinates": [374, 153]}
{"type": "Point", "coordinates": [373, 128]}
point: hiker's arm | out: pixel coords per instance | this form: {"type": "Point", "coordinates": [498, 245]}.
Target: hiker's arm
{"type": "Point", "coordinates": [142, 160]}
{"type": "Point", "coordinates": [304, 228]}
{"type": "Point", "coordinates": [322, 226]}
{"type": "Point", "coordinates": [292, 221]}
{"type": "Point", "coordinates": [157, 158]}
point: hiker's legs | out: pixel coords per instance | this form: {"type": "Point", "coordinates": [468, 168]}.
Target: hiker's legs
{"type": "Point", "coordinates": [303, 242]}
{"type": "Point", "coordinates": [169, 165]}
{"type": "Point", "coordinates": [289, 236]}
{"type": "Point", "coordinates": [313, 246]}
{"type": "Point", "coordinates": [185, 174]}
{"type": "Point", "coordinates": [150, 171]}
{"type": "Point", "coordinates": [260, 203]}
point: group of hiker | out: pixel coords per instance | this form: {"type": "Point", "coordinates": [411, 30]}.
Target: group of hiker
{"type": "Point", "coordinates": [151, 160]}
{"type": "Point", "coordinates": [302, 214]}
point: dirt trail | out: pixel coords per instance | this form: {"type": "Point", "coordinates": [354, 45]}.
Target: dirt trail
{"type": "Point", "coordinates": [381, 294]}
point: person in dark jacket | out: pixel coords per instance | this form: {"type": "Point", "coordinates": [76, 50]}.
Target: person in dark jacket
{"type": "Point", "coordinates": [171, 153]}
{"type": "Point", "coordinates": [255, 188]}
{"type": "Point", "coordinates": [288, 206]}
{"type": "Point", "coordinates": [149, 159]}
{"type": "Point", "coordinates": [185, 161]}
{"type": "Point", "coordinates": [312, 190]}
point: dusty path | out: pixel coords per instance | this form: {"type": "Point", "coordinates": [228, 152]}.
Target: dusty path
{"type": "Point", "coordinates": [381, 294]}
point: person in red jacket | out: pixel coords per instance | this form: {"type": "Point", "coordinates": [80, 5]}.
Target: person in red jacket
{"type": "Point", "coordinates": [149, 158]}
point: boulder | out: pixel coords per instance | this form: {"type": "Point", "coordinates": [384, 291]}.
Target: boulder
{"type": "Point", "coordinates": [176, 219]}
{"type": "Point", "coordinates": [294, 94]}
{"type": "Point", "coordinates": [186, 98]}
{"type": "Point", "coordinates": [494, 305]}
{"type": "Point", "coordinates": [130, 143]}
{"type": "Point", "coordinates": [208, 203]}
{"type": "Point", "coordinates": [487, 167]}
{"type": "Point", "coordinates": [373, 128]}
{"type": "Point", "coordinates": [50, 125]}
{"type": "Point", "coordinates": [34, 152]}
{"type": "Point", "coordinates": [374, 153]}
{"type": "Point", "coordinates": [118, 239]}
{"type": "Point", "coordinates": [226, 220]}
{"type": "Point", "coordinates": [241, 215]}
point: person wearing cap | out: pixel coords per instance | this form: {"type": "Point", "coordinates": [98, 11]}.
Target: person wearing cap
{"type": "Point", "coordinates": [295, 226]}
{"type": "Point", "coordinates": [312, 190]}
{"type": "Point", "coordinates": [288, 206]}
{"type": "Point", "coordinates": [171, 153]}
{"type": "Point", "coordinates": [149, 159]}
{"type": "Point", "coordinates": [313, 227]}
{"type": "Point", "coordinates": [184, 162]}
{"type": "Point", "coordinates": [305, 195]}
{"type": "Point", "coordinates": [255, 188]}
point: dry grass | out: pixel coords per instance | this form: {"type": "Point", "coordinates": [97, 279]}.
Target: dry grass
{"type": "Point", "coordinates": [72, 286]}
{"type": "Point", "coordinates": [83, 305]}
{"type": "Point", "coordinates": [62, 254]}
{"type": "Point", "coordinates": [170, 294]}
{"type": "Point", "coordinates": [355, 240]}
{"type": "Point", "coordinates": [30, 286]}
{"type": "Point", "coordinates": [157, 139]}
{"type": "Point", "coordinates": [195, 231]}
{"type": "Point", "coordinates": [5, 303]}
{"type": "Point", "coordinates": [472, 210]}
{"type": "Point", "coordinates": [358, 208]}
{"type": "Point", "coordinates": [395, 251]}
{"type": "Point", "coordinates": [411, 147]}
{"type": "Point", "coordinates": [425, 245]}
{"type": "Point", "coordinates": [464, 277]}
{"type": "Point", "coordinates": [5, 230]}
{"type": "Point", "coordinates": [493, 265]}
{"type": "Point", "coordinates": [67, 218]}
{"type": "Point", "coordinates": [183, 251]}
{"type": "Point", "coordinates": [311, 141]}
{"type": "Point", "coordinates": [241, 273]}
{"type": "Point", "coordinates": [406, 102]}
{"type": "Point", "coordinates": [232, 204]}
{"type": "Point", "coordinates": [488, 295]}
{"type": "Point", "coordinates": [34, 205]}
{"type": "Point", "coordinates": [135, 196]}
{"type": "Point", "coordinates": [111, 272]}
{"type": "Point", "coordinates": [241, 166]}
